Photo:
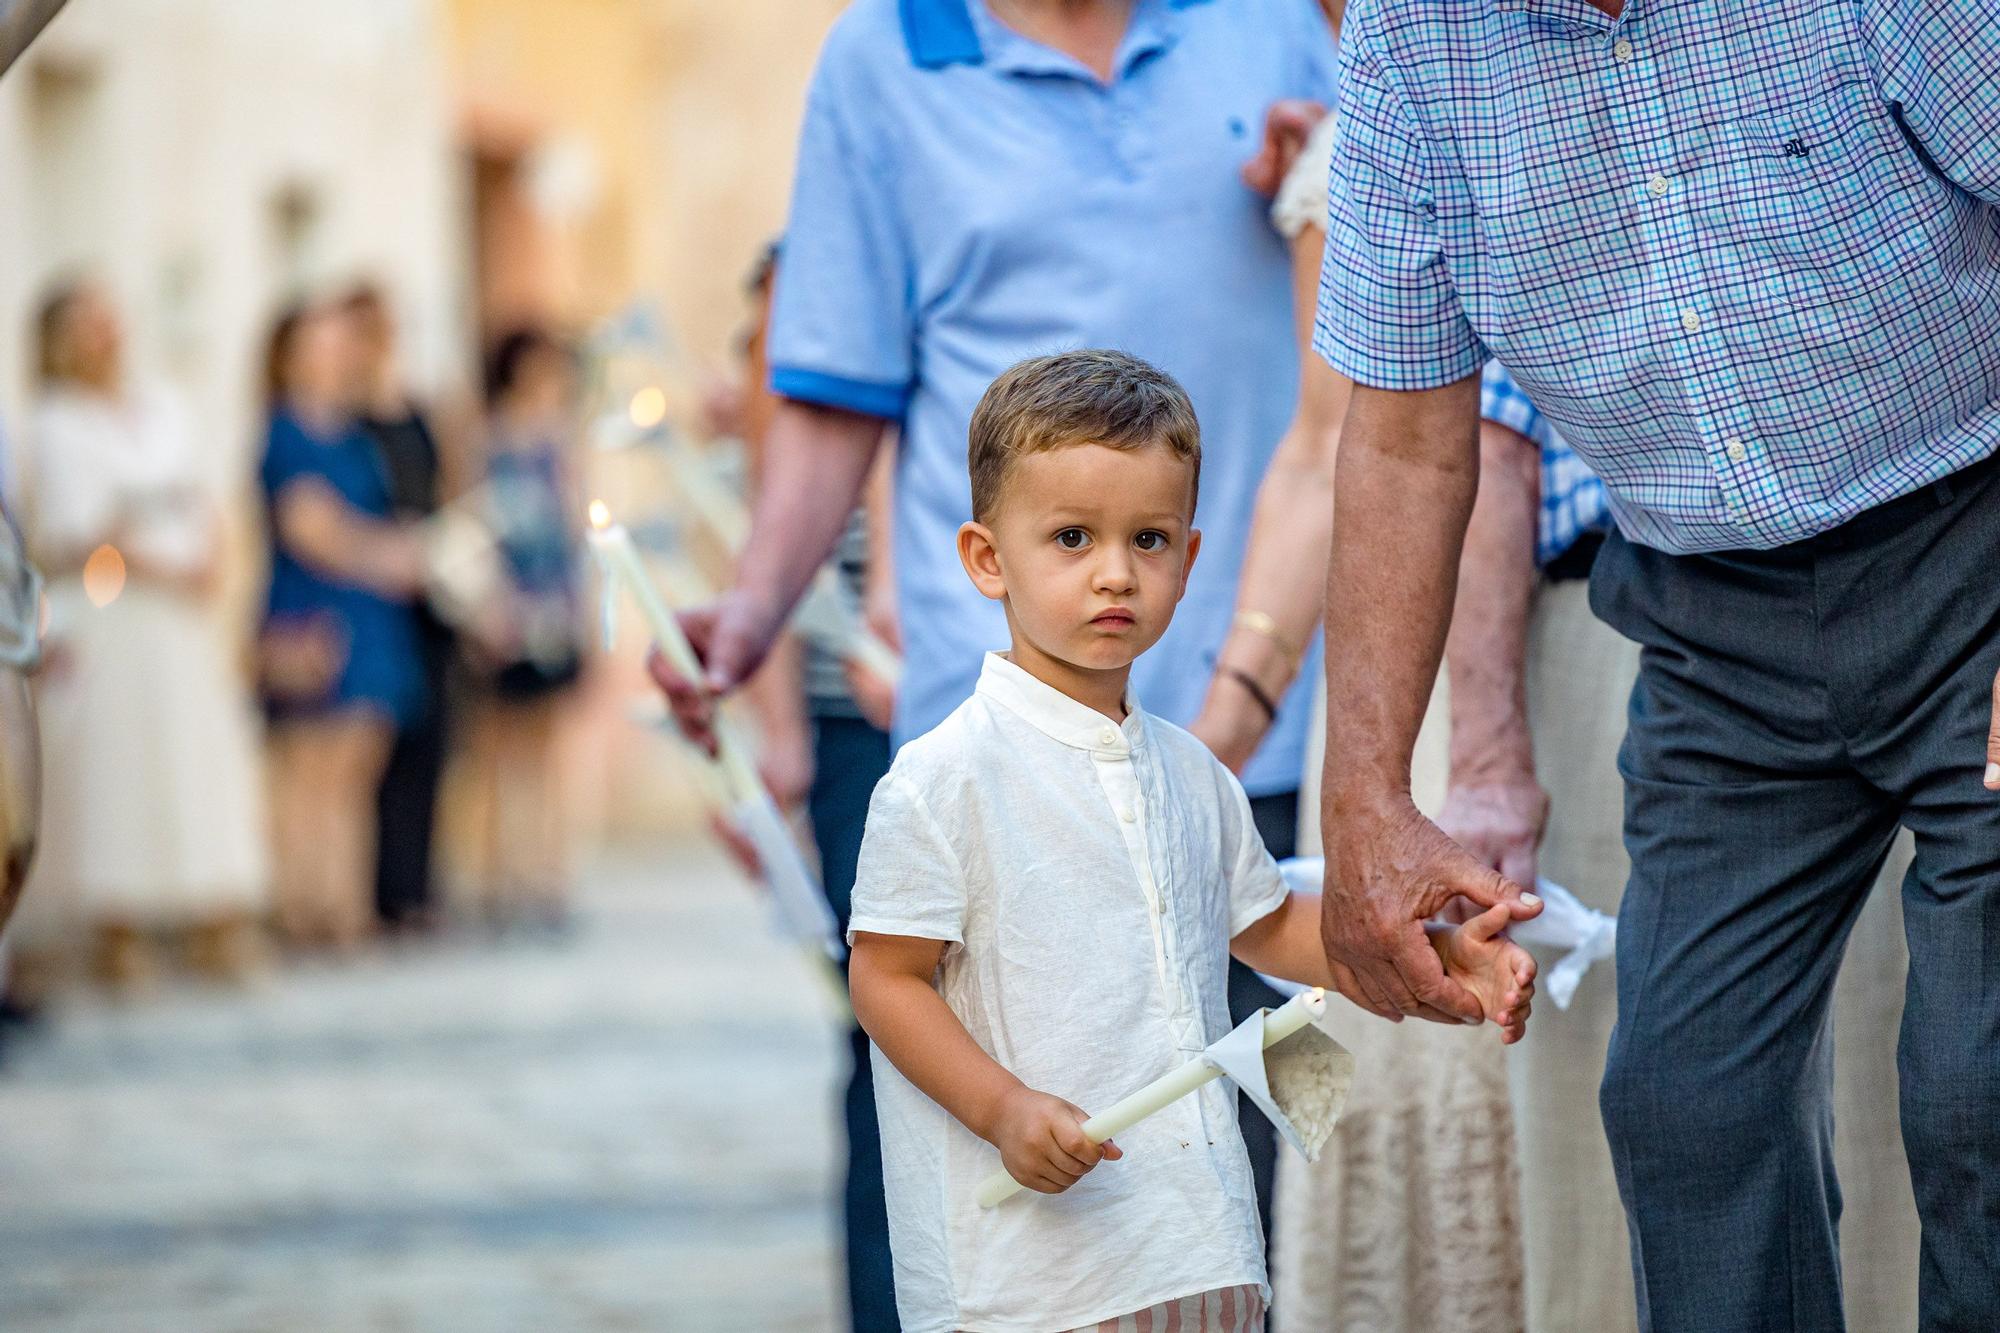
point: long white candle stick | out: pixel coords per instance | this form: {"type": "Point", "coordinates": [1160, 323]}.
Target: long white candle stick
{"type": "Point", "coordinates": [1168, 1088]}
{"type": "Point", "coordinates": [798, 896]}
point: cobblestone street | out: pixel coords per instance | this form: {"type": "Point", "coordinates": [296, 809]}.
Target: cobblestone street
{"type": "Point", "coordinates": [633, 1127]}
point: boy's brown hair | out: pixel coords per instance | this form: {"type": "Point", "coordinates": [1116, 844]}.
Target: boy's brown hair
{"type": "Point", "coordinates": [1095, 396]}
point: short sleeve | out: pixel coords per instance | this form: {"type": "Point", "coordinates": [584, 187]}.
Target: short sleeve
{"type": "Point", "coordinates": [843, 316]}
{"type": "Point", "coordinates": [1256, 889]}
{"type": "Point", "coordinates": [1502, 402]}
{"type": "Point", "coordinates": [1389, 316]}
{"type": "Point", "coordinates": [909, 881]}
{"type": "Point", "coordinates": [1936, 63]}
{"type": "Point", "coordinates": [288, 457]}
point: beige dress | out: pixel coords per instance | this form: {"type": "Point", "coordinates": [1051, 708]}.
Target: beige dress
{"type": "Point", "coordinates": [152, 810]}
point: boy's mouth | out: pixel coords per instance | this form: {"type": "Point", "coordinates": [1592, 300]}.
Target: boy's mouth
{"type": "Point", "coordinates": [1114, 618]}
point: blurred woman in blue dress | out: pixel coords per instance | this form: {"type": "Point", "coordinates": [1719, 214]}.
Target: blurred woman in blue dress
{"type": "Point", "coordinates": [340, 657]}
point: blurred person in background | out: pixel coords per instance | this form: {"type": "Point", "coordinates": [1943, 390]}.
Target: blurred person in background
{"type": "Point", "coordinates": [531, 505]}
{"type": "Point", "coordinates": [154, 819]}
{"type": "Point", "coordinates": [824, 743]}
{"type": "Point", "coordinates": [981, 181]}
{"type": "Point", "coordinates": [407, 799]}
{"type": "Point", "coordinates": [20, 747]}
{"type": "Point", "coordinates": [342, 665]}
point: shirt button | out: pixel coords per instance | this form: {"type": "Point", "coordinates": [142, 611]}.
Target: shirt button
{"type": "Point", "coordinates": [1623, 50]}
{"type": "Point", "coordinates": [1738, 451]}
{"type": "Point", "coordinates": [1128, 814]}
{"type": "Point", "coordinates": [1659, 185]}
{"type": "Point", "coordinates": [1690, 321]}
{"type": "Point", "coordinates": [1109, 737]}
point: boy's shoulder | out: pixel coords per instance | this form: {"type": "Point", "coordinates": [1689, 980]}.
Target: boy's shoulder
{"type": "Point", "coordinates": [1186, 751]}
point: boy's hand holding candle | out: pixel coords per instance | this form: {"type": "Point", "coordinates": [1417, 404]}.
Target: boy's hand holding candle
{"type": "Point", "coordinates": [1042, 1143]}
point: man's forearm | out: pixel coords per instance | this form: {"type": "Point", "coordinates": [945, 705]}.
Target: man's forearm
{"type": "Point", "coordinates": [1488, 644]}
{"type": "Point", "coordinates": [814, 466]}
{"type": "Point", "coordinates": [1409, 470]}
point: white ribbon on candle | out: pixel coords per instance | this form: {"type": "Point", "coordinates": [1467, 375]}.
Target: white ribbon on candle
{"type": "Point", "coordinates": [1243, 1052]}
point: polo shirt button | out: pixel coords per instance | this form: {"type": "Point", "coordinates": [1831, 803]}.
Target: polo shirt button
{"type": "Point", "coordinates": [1128, 814]}
{"type": "Point", "coordinates": [1690, 321]}
{"type": "Point", "coordinates": [1738, 451]}
{"type": "Point", "coordinates": [1659, 186]}
{"type": "Point", "coordinates": [1623, 50]}
{"type": "Point", "coordinates": [1109, 738]}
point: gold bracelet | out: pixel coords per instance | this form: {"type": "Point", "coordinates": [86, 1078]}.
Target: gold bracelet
{"type": "Point", "coordinates": [1260, 622]}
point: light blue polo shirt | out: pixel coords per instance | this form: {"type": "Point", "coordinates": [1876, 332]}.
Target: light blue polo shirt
{"type": "Point", "coordinates": [966, 198]}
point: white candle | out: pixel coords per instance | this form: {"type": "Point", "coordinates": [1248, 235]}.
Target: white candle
{"type": "Point", "coordinates": [1168, 1088]}
{"type": "Point", "coordinates": [799, 898]}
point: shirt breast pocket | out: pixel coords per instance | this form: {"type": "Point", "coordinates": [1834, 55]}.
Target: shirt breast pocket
{"type": "Point", "coordinates": [1831, 200]}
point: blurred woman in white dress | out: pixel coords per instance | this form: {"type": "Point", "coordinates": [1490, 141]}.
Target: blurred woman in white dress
{"type": "Point", "coordinates": [153, 819]}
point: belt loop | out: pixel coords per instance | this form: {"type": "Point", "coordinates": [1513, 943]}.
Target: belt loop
{"type": "Point", "coordinates": [1942, 490]}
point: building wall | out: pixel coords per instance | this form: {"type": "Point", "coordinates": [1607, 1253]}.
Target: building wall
{"type": "Point", "coordinates": [668, 129]}
{"type": "Point", "coordinates": [207, 157]}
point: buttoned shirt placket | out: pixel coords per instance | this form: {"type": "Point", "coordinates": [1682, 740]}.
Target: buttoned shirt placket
{"type": "Point", "coordinates": [1694, 328]}
{"type": "Point", "coordinates": [1118, 774]}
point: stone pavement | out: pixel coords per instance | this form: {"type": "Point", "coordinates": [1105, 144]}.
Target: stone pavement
{"type": "Point", "coordinates": [630, 1128]}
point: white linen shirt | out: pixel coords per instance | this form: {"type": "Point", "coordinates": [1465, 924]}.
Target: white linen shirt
{"type": "Point", "coordinates": [1088, 877]}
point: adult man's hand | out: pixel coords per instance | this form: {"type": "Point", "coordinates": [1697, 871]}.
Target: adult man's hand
{"type": "Point", "coordinates": [1287, 126]}
{"type": "Point", "coordinates": [1388, 871]}
{"type": "Point", "coordinates": [1498, 823]}
{"type": "Point", "coordinates": [1993, 742]}
{"type": "Point", "coordinates": [815, 460]}
{"type": "Point", "coordinates": [731, 636]}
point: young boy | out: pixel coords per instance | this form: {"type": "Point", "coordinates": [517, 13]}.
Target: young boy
{"type": "Point", "coordinates": [1050, 887]}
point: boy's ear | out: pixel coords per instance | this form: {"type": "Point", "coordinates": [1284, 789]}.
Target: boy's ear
{"type": "Point", "coordinates": [981, 560]}
{"type": "Point", "coordinates": [1193, 550]}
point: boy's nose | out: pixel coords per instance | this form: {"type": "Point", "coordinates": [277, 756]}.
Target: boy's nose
{"type": "Point", "coordinates": [1116, 575]}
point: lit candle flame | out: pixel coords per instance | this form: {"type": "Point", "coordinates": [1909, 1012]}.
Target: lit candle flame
{"type": "Point", "coordinates": [104, 576]}
{"type": "Point", "coordinates": [649, 408]}
{"type": "Point", "coordinates": [600, 516]}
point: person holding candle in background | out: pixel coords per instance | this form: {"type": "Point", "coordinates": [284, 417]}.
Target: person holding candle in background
{"type": "Point", "coordinates": [1050, 889]}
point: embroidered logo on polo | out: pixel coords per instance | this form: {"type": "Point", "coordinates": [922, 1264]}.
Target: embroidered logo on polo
{"type": "Point", "coordinates": [1797, 148]}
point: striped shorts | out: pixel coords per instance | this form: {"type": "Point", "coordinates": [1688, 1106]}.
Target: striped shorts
{"type": "Point", "coordinates": [1225, 1310]}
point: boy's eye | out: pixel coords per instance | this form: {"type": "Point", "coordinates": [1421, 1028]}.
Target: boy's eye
{"type": "Point", "coordinates": [1072, 539]}
{"type": "Point", "coordinates": [1151, 540]}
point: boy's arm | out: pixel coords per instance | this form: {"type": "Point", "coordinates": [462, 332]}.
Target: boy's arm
{"type": "Point", "coordinates": [1040, 1137]}
{"type": "Point", "coordinates": [1286, 943]}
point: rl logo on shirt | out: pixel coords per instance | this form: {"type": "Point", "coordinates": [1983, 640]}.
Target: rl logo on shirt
{"type": "Point", "coordinates": [1796, 148]}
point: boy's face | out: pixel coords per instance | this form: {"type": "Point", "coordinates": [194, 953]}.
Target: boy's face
{"type": "Point", "coordinates": [1090, 547]}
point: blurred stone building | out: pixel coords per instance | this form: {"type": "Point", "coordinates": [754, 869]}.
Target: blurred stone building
{"type": "Point", "coordinates": [487, 161]}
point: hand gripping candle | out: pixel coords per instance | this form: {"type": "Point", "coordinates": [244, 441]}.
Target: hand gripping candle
{"type": "Point", "coordinates": [1170, 1087]}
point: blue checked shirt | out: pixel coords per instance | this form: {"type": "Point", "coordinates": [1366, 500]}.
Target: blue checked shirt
{"type": "Point", "coordinates": [1573, 499]}
{"type": "Point", "coordinates": [1744, 255]}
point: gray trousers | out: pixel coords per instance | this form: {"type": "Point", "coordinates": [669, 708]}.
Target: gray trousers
{"type": "Point", "coordinates": [1793, 708]}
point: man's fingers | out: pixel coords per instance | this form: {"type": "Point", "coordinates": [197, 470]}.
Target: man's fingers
{"type": "Point", "coordinates": [1349, 983]}
{"type": "Point", "coordinates": [1993, 742]}
{"type": "Point", "coordinates": [1377, 980]}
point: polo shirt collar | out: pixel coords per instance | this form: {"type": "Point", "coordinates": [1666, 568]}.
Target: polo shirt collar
{"type": "Point", "coordinates": [946, 32]}
{"type": "Point", "coordinates": [1055, 714]}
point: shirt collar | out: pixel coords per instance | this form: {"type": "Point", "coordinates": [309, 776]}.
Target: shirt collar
{"type": "Point", "coordinates": [945, 32]}
{"type": "Point", "coordinates": [1055, 714]}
